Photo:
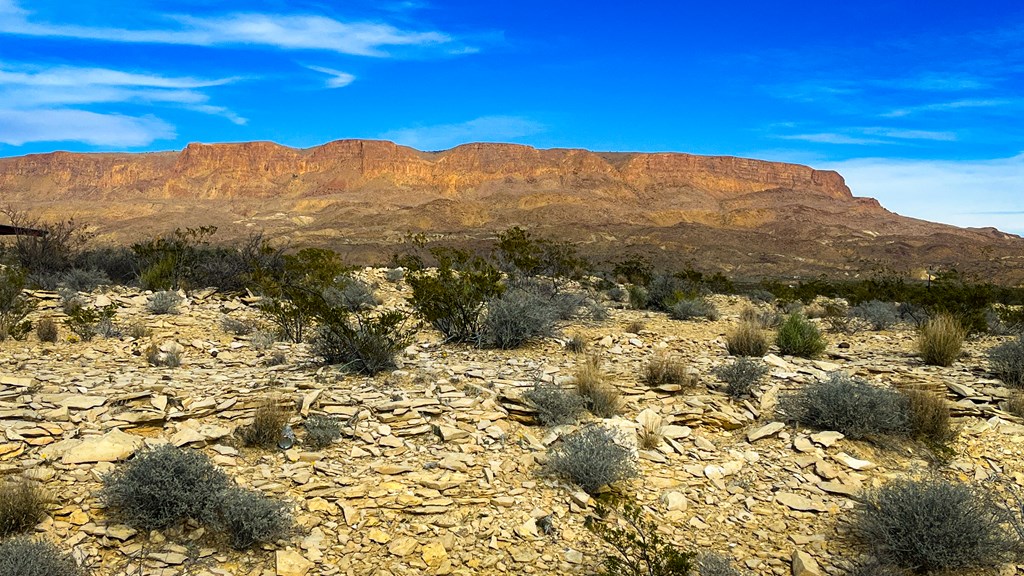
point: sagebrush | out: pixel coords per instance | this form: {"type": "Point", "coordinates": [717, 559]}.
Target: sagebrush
{"type": "Point", "coordinates": [591, 458]}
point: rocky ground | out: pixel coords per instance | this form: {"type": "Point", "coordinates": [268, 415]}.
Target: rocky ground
{"type": "Point", "coordinates": [438, 472]}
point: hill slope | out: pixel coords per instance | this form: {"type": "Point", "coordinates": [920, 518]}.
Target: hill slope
{"type": "Point", "coordinates": [747, 217]}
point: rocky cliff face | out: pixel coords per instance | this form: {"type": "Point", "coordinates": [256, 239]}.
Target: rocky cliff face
{"type": "Point", "coordinates": [729, 212]}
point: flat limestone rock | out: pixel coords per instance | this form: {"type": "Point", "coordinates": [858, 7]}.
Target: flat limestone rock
{"type": "Point", "coordinates": [291, 563]}
{"type": "Point", "coordinates": [804, 564]}
{"type": "Point", "coordinates": [765, 431]}
{"type": "Point", "coordinates": [800, 503]}
{"type": "Point", "coordinates": [111, 447]}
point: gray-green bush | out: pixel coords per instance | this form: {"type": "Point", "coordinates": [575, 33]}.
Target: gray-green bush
{"type": "Point", "coordinates": [22, 506]}
{"type": "Point", "coordinates": [163, 302]}
{"type": "Point", "coordinates": [248, 517]}
{"type": "Point", "coordinates": [1007, 362]}
{"type": "Point", "coordinates": [877, 314]}
{"type": "Point", "coordinates": [555, 405]}
{"type": "Point", "coordinates": [690, 308]}
{"type": "Point", "coordinates": [24, 556]}
{"type": "Point", "coordinates": [591, 459]}
{"type": "Point", "coordinates": [321, 430]}
{"type": "Point", "coordinates": [741, 375]}
{"type": "Point", "coordinates": [515, 317]}
{"type": "Point", "coordinates": [848, 405]}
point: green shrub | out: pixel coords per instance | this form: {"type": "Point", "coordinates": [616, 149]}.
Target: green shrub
{"type": "Point", "coordinates": [591, 459]}
{"type": "Point", "coordinates": [364, 343]}
{"type": "Point", "coordinates": [83, 280]}
{"type": "Point", "coordinates": [1007, 362]}
{"type": "Point", "coordinates": [14, 305]}
{"type": "Point", "coordinates": [46, 330]}
{"type": "Point", "coordinates": [638, 548]}
{"type": "Point", "coordinates": [741, 375]}
{"type": "Point", "coordinates": [295, 297]}
{"type": "Point", "coordinates": [931, 525]}
{"type": "Point", "coordinates": [163, 302]}
{"type": "Point", "coordinates": [555, 405]}
{"type": "Point", "coordinates": [798, 336]}
{"type": "Point", "coordinates": [162, 486]}
{"type": "Point", "coordinates": [452, 297]}
{"type": "Point", "coordinates": [690, 308]}
{"type": "Point", "coordinates": [601, 397]}
{"type": "Point", "coordinates": [747, 339]}
{"type": "Point", "coordinates": [22, 506]}
{"type": "Point", "coordinates": [321, 430]}
{"type": "Point", "coordinates": [24, 556]}
{"type": "Point", "coordinates": [877, 314]}
{"type": "Point", "coordinates": [638, 296]}
{"type": "Point", "coordinates": [941, 340]}
{"type": "Point", "coordinates": [848, 405]}
{"type": "Point", "coordinates": [268, 423]}
{"type": "Point", "coordinates": [248, 517]}
{"type": "Point", "coordinates": [50, 253]}
{"type": "Point", "coordinates": [88, 321]}
{"type": "Point", "coordinates": [663, 369]}
{"type": "Point", "coordinates": [929, 417]}
{"type": "Point", "coordinates": [516, 317]}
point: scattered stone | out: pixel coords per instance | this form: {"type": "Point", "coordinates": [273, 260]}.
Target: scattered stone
{"type": "Point", "coordinates": [765, 431]}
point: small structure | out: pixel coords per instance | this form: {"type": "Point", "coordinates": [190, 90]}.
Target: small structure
{"type": "Point", "coordinates": [19, 231]}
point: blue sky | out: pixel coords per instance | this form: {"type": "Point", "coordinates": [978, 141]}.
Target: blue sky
{"type": "Point", "coordinates": [922, 108]}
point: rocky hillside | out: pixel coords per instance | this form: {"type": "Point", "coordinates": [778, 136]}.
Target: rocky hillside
{"type": "Point", "coordinates": [747, 217]}
{"type": "Point", "coordinates": [439, 467]}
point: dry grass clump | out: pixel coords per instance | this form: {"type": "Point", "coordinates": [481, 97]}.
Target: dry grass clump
{"type": "Point", "coordinates": [601, 397]}
{"type": "Point", "coordinates": [267, 425]}
{"type": "Point", "coordinates": [663, 369]}
{"type": "Point", "coordinates": [929, 417]}
{"type": "Point", "coordinates": [747, 339]}
{"type": "Point", "coordinates": [576, 344]}
{"type": "Point", "coordinates": [650, 434]}
{"type": "Point", "coordinates": [22, 506]}
{"type": "Point", "coordinates": [46, 330]}
{"type": "Point", "coordinates": [634, 327]}
{"type": "Point", "coordinates": [1015, 404]}
{"type": "Point", "coordinates": [941, 340]}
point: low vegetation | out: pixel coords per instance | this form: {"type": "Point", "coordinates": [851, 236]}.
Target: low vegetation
{"type": "Point", "coordinates": [591, 459]}
{"type": "Point", "coordinates": [741, 376]}
{"type": "Point", "coordinates": [24, 556]}
{"type": "Point", "coordinates": [690, 308]}
{"type": "Point", "coordinates": [321, 431]}
{"type": "Point", "coordinates": [848, 405]}
{"type": "Point", "coordinates": [798, 336]}
{"type": "Point", "coordinates": [14, 305]}
{"type": "Point", "coordinates": [248, 517]}
{"type": "Point", "coordinates": [941, 340]}
{"type": "Point", "coordinates": [600, 396]}
{"type": "Point", "coordinates": [555, 405]}
{"type": "Point", "coordinates": [929, 418]}
{"type": "Point", "coordinates": [663, 369]}
{"type": "Point", "coordinates": [46, 330]}
{"type": "Point", "coordinates": [746, 339]}
{"type": "Point", "coordinates": [22, 506]}
{"type": "Point", "coordinates": [1006, 361]}
{"type": "Point", "coordinates": [637, 547]}
{"type": "Point", "coordinates": [267, 426]}
{"type": "Point", "coordinates": [163, 302]}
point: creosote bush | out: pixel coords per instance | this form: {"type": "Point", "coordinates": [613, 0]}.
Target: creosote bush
{"type": "Point", "coordinates": [591, 458]}
{"type": "Point", "coordinates": [933, 524]}
{"type": "Point", "coordinates": [22, 506]}
{"type": "Point", "coordinates": [663, 369]}
{"type": "Point", "coordinates": [25, 556]}
{"type": "Point", "coordinates": [848, 405]}
{"type": "Point", "coordinates": [746, 339]}
{"type": "Point", "coordinates": [638, 549]}
{"type": "Point", "coordinates": [941, 340]}
{"type": "Point", "coordinates": [321, 430]}
{"type": "Point", "coordinates": [555, 405]}
{"type": "Point", "coordinates": [267, 424]}
{"type": "Point", "coordinates": [14, 305]}
{"type": "Point", "coordinates": [798, 336]}
{"type": "Point", "coordinates": [162, 486]}
{"type": "Point", "coordinates": [163, 302]}
{"type": "Point", "coordinates": [46, 330]}
{"type": "Point", "coordinates": [600, 396]}
{"type": "Point", "coordinates": [516, 317]}
{"type": "Point", "coordinates": [248, 517]}
{"type": "Point", "coordinates": [741, 375]}
{"type": "Point", "coordinates": [364, 342]}
{"type": "Point", "coordinates": [1007, 362]}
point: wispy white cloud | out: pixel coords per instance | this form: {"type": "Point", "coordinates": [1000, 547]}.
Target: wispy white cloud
{"type": "Point", "coordinates": [18, 127]}
{"type": "Point", "coordinates": [35, 87]}
{"type": "Point", "coordinates": [283, 31]}
{"type": "Point", "coordinates": [831, 138]}
{"type": "Point", "coordinates": [483, 129]}
{"type": "Point", "coordinates": [338, 79]}
{"type": "Point", "coordinates": [901, 134]}
{"type": "Point", "coordinates": [866, 136]}
{"type": "Point", "coordinates": [974, 193]}
{"type": "Point", "coordinates": [947, 106]}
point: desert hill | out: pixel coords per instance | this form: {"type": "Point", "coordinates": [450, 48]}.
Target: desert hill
{"type": "Point", "coordinates": [749, 218]}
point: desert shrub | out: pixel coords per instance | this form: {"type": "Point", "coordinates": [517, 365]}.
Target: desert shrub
{"type": "Point", "coordinates": [351, 294]}
{"type": "Point", "coordinates": [746, 339]}
{"type": "Point", "coordinates": [576, 344]}
{"type": "Point", "coordinates": [248, 517]}
{"type": "Point", "coordinates": [759, 296]}
{"type": "Point", "coordinates": [321, 430]}
{"type": "Point", "coordinates": [82, 279]}
{"type": "Point", "coordinates": [663, 369]}
{"type": "Point", "coordinates": [638, 548]}
{"type": "Point", "coordinates": [761, 318]}
{"type": "Point", "coordinates": [293, 297]}
{"type": "Point", "coordinates": [591, 459]}
{"type": "Point", "coordinates": [1006, 361]}
{"type": "Point", "coordinates": [929, 417]}
{"type": "Point", "coordinates": [912, 314]}
{"type": "Point", "coordinates": [236, 326]}
{"type": "Point", "coordinates": [453, 296]}
{"type": "Point", "coordinates": [932, 524]}
{"type": "Point", "coordinates": [52, 252]}
{"type": "Point", "coordinates": [24, 556]}
{"type": "Point", "coordinates": [941, 340]}
{"type": "Point", "coordinates": [798, 336]}
{"type": "Point", "coordinates": [275, 358]}
{"type": "Point", "coordinates": [22, 506]}
{"type": "Point", "coordinates": [601, 397]}
{"type": "Point", "coordinates": [638, 296]}
{"type": "Point", "coordinates": [1015, 404]}
{"type": "Point", "coordinates": [741, 375]}
{"type": "Point", "coordinates": [169, 357]}
{"type": "Point", "coordinates": [394, 275]}
{"type": "Point", "coordinates": [878, 315]}
{"type": "Point", "coordinates": [665, 290]}
{"type": "Point", "coordinates": [848, 405]}
{"type": "Point", "coordinates": [714, 564]}
{"type": "Point", "coordinates": [162, 486]}
{"type": "Point", "coordinates": [118, 264]}
{"type": "Point", "coordinates": [515, 317]}
{"type": "Point", "coordinates": [1012, 318]}
{"type": "Point", "coordinates": [838, 318]}
{"type": "Point", "coordinates": [363, 342]}
{"type": "Point", "coordinates": [267, 425]}
{"type": "Point", "coordinates": [650, 434]}
{"type": "Point", "coordinates": [137, 330]}
{"type": "Point", "coordinates": [690, 308]}
{"type": "Point", "coordinates": [634, 327]}
{"type": "Point", "coordinates": [89, 321]}
{"type": "Point", "coordinates": [14, 305]}
{"type": "Point", "coordinates": [555, 405]}
{"type": "Point", "coordinates": [163, 302]}
{"type": "Point", "coordinates": [46, 330]}
{"type": "Point", "coordinates": [262, 339]}
{"type": "Point", "coordinates": [617, 293]}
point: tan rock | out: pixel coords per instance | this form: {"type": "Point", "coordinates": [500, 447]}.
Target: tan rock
{"type": "Point", "coordinates": [804, 564]}
{"type": "Point", "coordinates": [111, 447]}
{"type": "Point", "coordinates": [433, 553]}
{"type": "Point", "coordinates": [291, 563]}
